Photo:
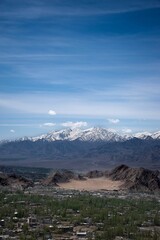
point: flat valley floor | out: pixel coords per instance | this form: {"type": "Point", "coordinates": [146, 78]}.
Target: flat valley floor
{"type": "Point", "coordinates": [91, 184]}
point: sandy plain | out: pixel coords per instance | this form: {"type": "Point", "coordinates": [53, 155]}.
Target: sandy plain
{"type": "Point", "coordinates": [92, 184]}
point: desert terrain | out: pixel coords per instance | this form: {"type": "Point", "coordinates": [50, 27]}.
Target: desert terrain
{"type": "Point", "coordinates": [92, 184]}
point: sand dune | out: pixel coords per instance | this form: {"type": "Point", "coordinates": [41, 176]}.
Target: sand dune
{"type": "Point", "coordinates": [92, 184]}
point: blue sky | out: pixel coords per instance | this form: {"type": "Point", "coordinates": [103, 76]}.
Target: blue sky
{"type": "Point", "coordinates": [93, 63]}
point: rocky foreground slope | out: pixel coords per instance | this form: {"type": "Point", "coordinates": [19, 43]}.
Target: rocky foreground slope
{"type": "Point", "coordinates": [14, 181]}
{"type": "Point", "coordinates": [121, 177]}
{"type": "Point", "coordinates": [61, 176]}
{"type": "Point", "coordinates": [136, 178]}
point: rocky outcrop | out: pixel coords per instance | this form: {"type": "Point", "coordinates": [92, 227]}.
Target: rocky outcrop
{"type": "Point", "coordinates": [61, 176]}
{"type": "Point", "coordinates": [14, 181]}
{"type": "Point", "coordinates": [95, 174]}
{"type": "Point", "coordinates": [136, 178]}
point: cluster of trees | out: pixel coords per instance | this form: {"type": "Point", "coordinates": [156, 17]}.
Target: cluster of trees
{"type": "Point", "coordinates": [112, 217]}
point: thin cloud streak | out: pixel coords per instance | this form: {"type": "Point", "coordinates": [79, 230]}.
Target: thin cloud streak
{"type": "Point", "coordinates": [93, 60]}
{"type": "Point", "coordinates": [74, 124]}
{"type": "Point", "coordinates": [37, 55]}
{"type": "Point", "coordinates": [114, 121]}
{"type": "Point", "coordinates": [17, 125]}
{"type": "Point", "coordinates": [52, 112]}
{"type": "Point", "coordinates": [37, 103]}
{"type": "Point", "coordinates": [127, 130]}
{"type": "Point", "coordinates": [135, 91]}
{"type": "Point", "coordinates": [12, 131]}
{"type": "Point", "coordinates": [70, 9]}
{"type": "Point", "coordinates": [49, 124]}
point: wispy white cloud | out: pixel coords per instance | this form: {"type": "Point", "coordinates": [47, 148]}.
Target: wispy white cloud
{"type": "Point", "coordinates": [125, 100]}
{"type": "Point", "coordinates": [127, 130]}
{"type": "Point", "coordinates": [69, 8]}
{"type": "Point", "coordinates": [114, 121]}
{"type": "Point", "coordinates": [51, 112]}
{"type": "Point", "coordinates": [49, 124]}
{"type": "Point", "coordinates": [36, 56]}
{"type": "Point", "coordinates": [74, 124]}
{"type": "Point", "coordinates": [17, 125]}
{"type": "Point", "coordinates": [12, 131]}
{"type": "Point", "coordinates": [132, 89]}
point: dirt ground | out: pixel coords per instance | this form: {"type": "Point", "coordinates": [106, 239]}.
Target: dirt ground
{"type": "Point", "coordinates": [92, 184]}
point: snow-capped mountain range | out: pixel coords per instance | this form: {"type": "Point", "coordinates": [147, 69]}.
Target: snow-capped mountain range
{"type": "Point", "coordinates": [91, 134]}
{"type": "Point", "coordinates": [83, 148]}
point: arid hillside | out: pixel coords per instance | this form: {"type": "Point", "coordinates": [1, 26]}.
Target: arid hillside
{"type": "Point", "coordinates": [121, 177]}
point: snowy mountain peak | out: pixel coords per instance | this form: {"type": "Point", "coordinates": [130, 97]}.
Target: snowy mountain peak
{"type": "Point", "coordinates": [91, 134]}
{"type": "Point", "coordinates": [148, 135]}
{"type": "Point", "coordinates": [143, 135]}
{"type": "Point", "coordinates": [156, 135]}
{"type": "Point", "coordinates": [99, 134]}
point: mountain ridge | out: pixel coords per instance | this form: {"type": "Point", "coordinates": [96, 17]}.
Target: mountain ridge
{"type": "Point", "coordinates": [93, 134]}
{"type": "Point", "coordinates": [90, 134]}
{"type": "Point", "coordinates": [86, 149]}
{"type": "Point", "coordinates": [136, 179]}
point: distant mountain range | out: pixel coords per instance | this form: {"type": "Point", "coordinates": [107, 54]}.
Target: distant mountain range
{"type": "Point", "coordinates": [92, 148]}
{"type": "Point", "coordinates": [91, 134]}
